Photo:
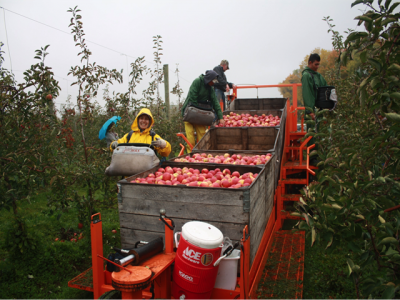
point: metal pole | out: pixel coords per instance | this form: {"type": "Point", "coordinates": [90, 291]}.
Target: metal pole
{"type": "Point", "coordinates": [166, 88]}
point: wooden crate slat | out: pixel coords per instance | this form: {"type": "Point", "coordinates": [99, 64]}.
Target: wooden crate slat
{"type": "Point", "coordinates": [178, 209]}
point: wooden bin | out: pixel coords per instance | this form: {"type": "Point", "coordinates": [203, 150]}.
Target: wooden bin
{"type": "Point", "coordinates": [255, 112]}
{"type": "Point", "coordinates": [258, 104]}
{"type": "Point", "coordinates": [274, 112]}
{"type": "Point", "coordinates": [238, 138]}
{"type": "Point", "coordinates": [230, 152]}
{"type": "Point", "coordinates": [228, 209]}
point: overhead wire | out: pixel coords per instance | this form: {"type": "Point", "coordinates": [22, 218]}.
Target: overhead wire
{"type": "Point", "coordinates": [8, 44]}
{"type": "Point", "coordinates": [5, 9]}
{"type": "Point", "coordinates": [52, 27]}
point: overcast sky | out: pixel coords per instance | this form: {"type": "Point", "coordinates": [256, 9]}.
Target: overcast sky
{"type": "Point", "coordinates": [264, 41]}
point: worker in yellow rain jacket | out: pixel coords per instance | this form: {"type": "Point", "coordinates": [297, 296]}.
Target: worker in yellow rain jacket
{"type": "Point", "coordinates": [140, 133]}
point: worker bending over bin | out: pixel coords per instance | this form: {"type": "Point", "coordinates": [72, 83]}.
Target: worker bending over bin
{"type": "Point", "coordinates": [136, 151]}
{"type": "Point", "coordinates": [201, 106]}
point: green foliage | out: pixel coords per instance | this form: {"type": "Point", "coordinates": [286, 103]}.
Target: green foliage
{"type": "Point", "coordinates": [325, 274]}
{"type": "Point", "coordinates": [28, 124]}
{"type": "Point", "coordinates": [44, 272]}
{"type": "Point", "coordinates": [358, 184]}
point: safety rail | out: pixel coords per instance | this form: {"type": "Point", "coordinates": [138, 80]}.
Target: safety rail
{"type": "Point", "coordinates": [301, 149]}
{"type": "Point", "coordinates": [308, 159]}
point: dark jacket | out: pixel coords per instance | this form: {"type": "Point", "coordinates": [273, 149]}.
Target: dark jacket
{"type": "Point", "coordinates": [199, 92]}
{"type": "Point", "coordinates": [222, 82]}
{"type": "Point", "coordinates": [309, 92]}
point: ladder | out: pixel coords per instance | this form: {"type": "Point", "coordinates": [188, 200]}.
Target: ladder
{"type": "Point", "coordinates": [295, 168]}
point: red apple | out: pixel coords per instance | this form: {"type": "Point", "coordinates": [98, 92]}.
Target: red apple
{"type": "Point", "coordinates": [225, 183]}
{"type": "Point", "coordinates": [216, 184]}
{"type": "Point", "coordinates": [166, 176]}
{"type": "Point", "coordinates": [236, 173]}
{"type": "Point", "coordinates": [226, 171]}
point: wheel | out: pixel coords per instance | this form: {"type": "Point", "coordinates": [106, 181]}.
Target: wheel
{"type": "Point", "coordinates": [111, 295]}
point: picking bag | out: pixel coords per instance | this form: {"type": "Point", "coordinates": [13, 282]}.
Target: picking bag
{"type": "Point", "coordinates": [201, 114]}
{"type": "Point", "coordinates": [324, 99]}
{"type": "Point", "coordinates": [129, 159]}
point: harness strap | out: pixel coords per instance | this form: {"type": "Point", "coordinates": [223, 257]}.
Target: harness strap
{"type": "Point", "coordinates": [312, 76]}
{"type": "Point", "coordinates": [129, 136]}
{"type": "Point", "coordinates": [152, 134]}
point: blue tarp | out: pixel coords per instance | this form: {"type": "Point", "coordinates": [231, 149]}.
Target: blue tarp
{"type": "Point", "coordinates": [107, 125]}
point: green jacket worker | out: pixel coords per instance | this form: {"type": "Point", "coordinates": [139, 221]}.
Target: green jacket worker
{"type": "Point", "coordinates": [310, 75]}
{"type": "Point", "coordinates": [202, 91]}
{"type": "Point", "coordinates": [141, 134]}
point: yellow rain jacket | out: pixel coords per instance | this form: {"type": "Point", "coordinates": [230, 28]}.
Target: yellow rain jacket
{"type": "Point", "coordinates": [144, 136]}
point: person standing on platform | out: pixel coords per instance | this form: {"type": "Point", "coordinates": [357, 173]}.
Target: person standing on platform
{"type": "Point", "coordinates": [223, 85]}
{"type": "Point", "coordinates": [310, 81]}
{"type": "Point", "coordinates": [201, 94]}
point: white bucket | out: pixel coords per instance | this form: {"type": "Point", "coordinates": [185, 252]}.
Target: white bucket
{"type": "Point", "coordinates": [227, 272]}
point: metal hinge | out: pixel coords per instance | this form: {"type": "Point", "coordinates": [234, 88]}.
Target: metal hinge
{"type": "Point", "coordinates": [119, 193]}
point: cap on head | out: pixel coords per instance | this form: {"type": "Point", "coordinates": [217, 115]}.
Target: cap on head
{"type": "Point", "coordinates": [225, 62]}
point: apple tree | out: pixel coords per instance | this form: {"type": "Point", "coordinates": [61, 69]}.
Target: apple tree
{"type": "Point", "coordinates": [355, 200]}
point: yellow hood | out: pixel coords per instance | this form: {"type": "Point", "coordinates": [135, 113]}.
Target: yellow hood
{"type": "Point", "coordinates": [135, 125]}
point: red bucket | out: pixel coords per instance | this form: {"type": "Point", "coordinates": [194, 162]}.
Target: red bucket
{"type": "Point", "coordinates": [198, 249]}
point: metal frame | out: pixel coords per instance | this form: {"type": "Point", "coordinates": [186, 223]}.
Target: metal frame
{"type": "Point", "coordinates": [292, 162]}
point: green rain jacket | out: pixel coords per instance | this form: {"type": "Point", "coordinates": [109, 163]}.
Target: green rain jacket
{"type": "Point", "coordinates": [200, 92]}
{"type": "Point", "coordinates": [309, 93]}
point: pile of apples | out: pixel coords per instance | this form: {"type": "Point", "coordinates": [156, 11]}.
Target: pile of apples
{"type": "Point", "coordinates": [242, 120]}
{"type": "Point", "coordinates": [235, 159]}
{"type": "Point", "coordinates": [203, 178]}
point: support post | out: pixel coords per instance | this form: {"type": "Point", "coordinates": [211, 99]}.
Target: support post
{"type": "Point", "coordinates": [97, 262]}
{"type": "Point", "coordinates": [166, 88]}
{"type": "Point", "coordinates": [295, 107]}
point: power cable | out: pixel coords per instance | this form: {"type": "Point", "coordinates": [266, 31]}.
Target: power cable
{"type": "Point", "coordinates": [5, 9]}
{"type": "Point", "coordinates": [8, 44]}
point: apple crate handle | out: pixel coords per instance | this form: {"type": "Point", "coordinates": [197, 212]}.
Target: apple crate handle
{"type": "Point", "coordinates": [162, 217]}
{"type": "Point", "coordinates": [176, 240]}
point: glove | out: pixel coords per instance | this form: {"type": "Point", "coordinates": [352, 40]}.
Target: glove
{"type": "Point", "coordinates": [159, 143]}
{"type": "Point", "coordinates": [114, 145]}
{"type": "Point", "coordinates": [111, 137]}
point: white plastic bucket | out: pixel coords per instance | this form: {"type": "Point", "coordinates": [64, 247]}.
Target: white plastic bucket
{"type": "Point", "coordinates": [227, 272]}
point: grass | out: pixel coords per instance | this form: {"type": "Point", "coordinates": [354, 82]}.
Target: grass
{"type": "Point", "coordinates": [45, 271]}
{"type": "Point", "coordinates": [325, 274]}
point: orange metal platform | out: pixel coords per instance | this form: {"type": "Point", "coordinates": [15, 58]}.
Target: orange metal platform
{"type": "Point", "coordinates": [284, 270]}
